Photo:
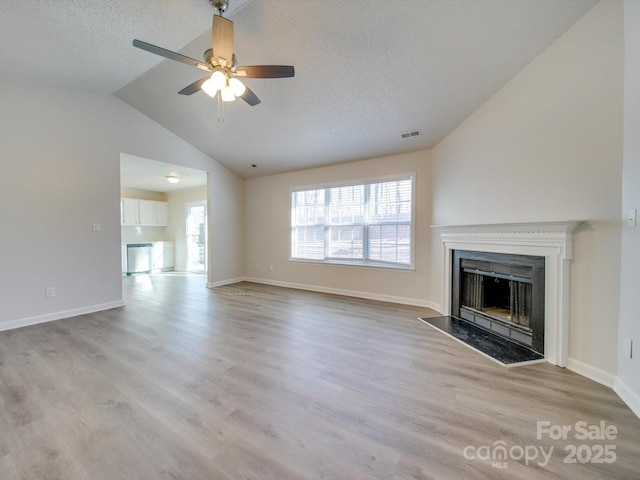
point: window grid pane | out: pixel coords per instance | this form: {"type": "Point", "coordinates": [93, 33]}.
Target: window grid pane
{"type": "Point", "coordinates": [345, 241]}
{"type": "Point", "coordinates": [346, 205]}
{"type": "Point", "coordinates": [390, 243]}
{"type": "Point", "coordinates": [390, 202]}
{"type": "Point", "coordinates": [308, 242]}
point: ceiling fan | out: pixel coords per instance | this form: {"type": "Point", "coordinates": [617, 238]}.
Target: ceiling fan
{"type": "Point", "coordinates": [220, 61]}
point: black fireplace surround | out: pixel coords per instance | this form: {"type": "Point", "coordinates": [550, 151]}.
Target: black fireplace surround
{"type": "Point", "coordinates": [501, 293]}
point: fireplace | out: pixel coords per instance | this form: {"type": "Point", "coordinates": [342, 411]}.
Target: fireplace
{"type": "Point", "coordinates": [502, 293]}
{"type": "Point", "coordinates": [551, 240]}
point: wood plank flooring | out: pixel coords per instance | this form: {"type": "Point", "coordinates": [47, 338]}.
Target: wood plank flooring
{"type": "Point", "coordinates": [258, 382]}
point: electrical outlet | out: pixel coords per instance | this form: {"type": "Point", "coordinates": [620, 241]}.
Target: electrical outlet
{"type": "Point", "coordinates": [271, 267]}
{"type": "Point", "coordinates": [628, 348]}
{"type": "Point", "coordinates": [49, 292]}
{"type": "Point", "coordinates": [419, 281]}
{"type": "Point", "coordinates": [631, 218]}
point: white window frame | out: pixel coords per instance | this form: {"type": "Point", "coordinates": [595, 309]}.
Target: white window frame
{"type": "Point", "coordinates": [359, 262]}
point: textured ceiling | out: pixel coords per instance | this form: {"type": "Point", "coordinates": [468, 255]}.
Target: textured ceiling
{"type": "Point", "coordinates": [366, 70]}
{"type": "Point", "coordinates": [146, 174]}
{"type": "Point", "coordinates": [86, 44]}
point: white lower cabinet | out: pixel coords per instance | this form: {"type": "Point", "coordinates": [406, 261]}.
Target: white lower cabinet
{"type": "Point", "coordinates": [124, 258]}
{"type": "Point", "coordinates": [163, 256]}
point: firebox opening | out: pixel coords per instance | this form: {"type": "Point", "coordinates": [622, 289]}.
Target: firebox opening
{"type": "Point", "coordinates": [505, 299]}
{"type": "Point", "coordinates": [501, 293]}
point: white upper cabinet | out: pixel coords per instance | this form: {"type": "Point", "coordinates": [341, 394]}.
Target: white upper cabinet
{"type": "Point", "coordinates": [129, 211]}
{"type": "Point", "coordinates": [162, 212]}
{"type": "Point", "coordinates": [146, 213]}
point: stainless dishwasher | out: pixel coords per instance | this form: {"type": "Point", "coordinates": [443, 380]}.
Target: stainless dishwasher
{"type": "Point", "coordinates": [139, 258]}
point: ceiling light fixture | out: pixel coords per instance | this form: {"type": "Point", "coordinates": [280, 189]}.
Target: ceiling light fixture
{"type": "Point", "coordinates": [172, 178]}
{"type": "Point", "coordinates": [229, 87]}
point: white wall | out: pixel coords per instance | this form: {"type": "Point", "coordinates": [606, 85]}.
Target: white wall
{"type": "Point", "coordinates": [548, 146]}
{"type": "Point", "coordinates": [267, 224]}
{"type": "Point", "coordinates": [226, 227]}
{"type": "Point", "coordinates": [628, 385]}
{"type": "Point", "coordinates": [176, 231]}
{"type": "Point", "coordinates": [60, 155]}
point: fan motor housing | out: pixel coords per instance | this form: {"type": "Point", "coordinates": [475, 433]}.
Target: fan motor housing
{"type": "Point", "coordinates": [220, 5]}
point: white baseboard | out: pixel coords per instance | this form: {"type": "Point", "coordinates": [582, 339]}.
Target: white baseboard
{"type": "Point", "coordinates": [628, 396]}
{"type": "Point", "coordinates": [348, 293]}
{"type": "Point", "coordinates": [590, 372]}
{"type": "Point", "coordinates": [225, 282]}
{"type": "Point", "coordinates": [50, 317]}
{"type": "Point", "coordinates": [437, 307]}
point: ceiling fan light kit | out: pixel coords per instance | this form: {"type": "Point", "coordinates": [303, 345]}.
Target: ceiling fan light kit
{"type": "Point", "coordinates": [221, 62]}
{"type": "Point", "coordinates": [229, 88]}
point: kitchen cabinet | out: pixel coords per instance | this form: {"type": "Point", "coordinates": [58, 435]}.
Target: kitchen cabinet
{"type": "Point", "coordinates": [163, 256]}
{"type": "Point", "coordinates": [162, 213]}
{"type": "Point", "coordinates": [124, 258]}
{"type": "Point", "coordinates": [129, 211]}
{"type": "Point", "coordinates": [147, 212]}
{"type": "Point", "coordinates": [144, 213]}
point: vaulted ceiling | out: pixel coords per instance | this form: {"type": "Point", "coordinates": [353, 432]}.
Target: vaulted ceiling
{"type": "Point", "coordinates": [366, 70]}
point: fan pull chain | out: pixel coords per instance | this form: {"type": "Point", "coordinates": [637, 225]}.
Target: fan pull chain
{"type": "Point", "coordinates": [220, 108]}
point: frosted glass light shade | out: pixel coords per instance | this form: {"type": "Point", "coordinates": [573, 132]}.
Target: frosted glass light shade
{"type": "Point", "coordinates": [218, 80]}
{"type": "Point", "coordinates": [209, 88]}
{"type": "Point", "coordinates": [237, 87]}
{"type": "Point", "coordinates": [227, 94]}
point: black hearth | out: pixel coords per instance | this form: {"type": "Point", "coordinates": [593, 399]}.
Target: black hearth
{"type": "Point", "coordinates": [501, 293]}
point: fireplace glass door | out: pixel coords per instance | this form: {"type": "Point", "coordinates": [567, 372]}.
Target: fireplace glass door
{"type": "Point", "coordinates": [502, 293]}
{"type": "Point", "coordinates": [506, 299]}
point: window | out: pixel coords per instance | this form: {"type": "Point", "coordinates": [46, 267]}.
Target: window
{"type": "Point", "coordinates": [364, 224]}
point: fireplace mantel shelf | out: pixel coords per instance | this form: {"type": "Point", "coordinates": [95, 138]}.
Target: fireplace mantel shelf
{"type": "Point", "coordinates": [558, 233]}
{"type": "Point", "coordinates": [527, 227]}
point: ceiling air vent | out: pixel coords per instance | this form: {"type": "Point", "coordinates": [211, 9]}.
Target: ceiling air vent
{"type": "Point", "coordinates": [412, 133]}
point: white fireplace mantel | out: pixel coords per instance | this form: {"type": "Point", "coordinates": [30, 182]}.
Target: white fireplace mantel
{"type": "Point", "coordinates": [552, 240]}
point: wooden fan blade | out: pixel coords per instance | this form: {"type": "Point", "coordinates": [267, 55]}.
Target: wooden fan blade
{"type": "Point", "coordinates": [163, 52]}
{"type": "Point", "coordinates": [194, 87]}
{"type": "Point", "coordinates": [222, 41]}
{"type": "Point", "coordinates": [266, 71]}
{"type": "Point", "coordinates": [250, 97]}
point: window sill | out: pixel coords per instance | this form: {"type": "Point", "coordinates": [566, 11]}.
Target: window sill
{"type": "Point", "coordinates": [346, 263]}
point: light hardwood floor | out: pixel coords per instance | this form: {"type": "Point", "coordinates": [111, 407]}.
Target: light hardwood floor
{"type": "Point", "coordinates": [257, 382]}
